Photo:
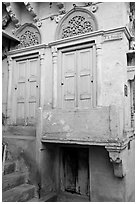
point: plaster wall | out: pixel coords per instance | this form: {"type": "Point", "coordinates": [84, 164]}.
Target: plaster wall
{"type": "Point", "coordinates": [48, 169]}
{"type": "Point", "coordinates": [105, 187]}
{"type": "Point", "coordinates": [111, 15]}
{"type": "Point", "coordinates": [114, 76]}
{"type": "Point", "coordinates": [130, 176]}
{"type": "Point", "coordinates": [47, 81]}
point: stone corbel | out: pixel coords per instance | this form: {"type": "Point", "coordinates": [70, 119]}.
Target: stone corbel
{"type": "Point", "coordinates": [5, 20]}
{"type": "Point", "coordinates": [33, 13]}
{"type": "Point", "coordinates": [14, 19]}
{"type": "Point", "coordinates": [61, 7]}
{"type": "Point", "coordinates": [117, 156]}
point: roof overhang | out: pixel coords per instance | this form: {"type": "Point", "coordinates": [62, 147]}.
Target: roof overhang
{"type": "Point", "coordinates": [9, 36]}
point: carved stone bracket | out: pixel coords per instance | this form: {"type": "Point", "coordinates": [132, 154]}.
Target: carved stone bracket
{"type": "Point", "coordinates": [14, 19]}
{"type": "Point", "coordinates": [5, 20]}
{"type": "Point", "coordinates": [61, 7]}
{"type": "Point", "coordinates": [117, 156]}
{"type": "Point", "coordinates": [33, 13]}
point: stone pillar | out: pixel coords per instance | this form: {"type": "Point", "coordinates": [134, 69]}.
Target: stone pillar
{"type": "Point", "coordinates": [42, 79]}
{"type": "Point", "coordinates": [99, 73]}
{"type": "Point", "coordinates": [54, 61]}
{"type": "Point", "coordinates": [9, 98]}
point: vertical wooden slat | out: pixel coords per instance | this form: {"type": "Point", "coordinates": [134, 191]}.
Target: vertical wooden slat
{"type": "Point", "coordinates": [90, 175]}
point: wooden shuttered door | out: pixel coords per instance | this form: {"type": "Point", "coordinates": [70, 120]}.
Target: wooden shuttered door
{"type": "Point", "coordinates": [27, 89]}
{"type": "Point", "coordinates": [77, 79]}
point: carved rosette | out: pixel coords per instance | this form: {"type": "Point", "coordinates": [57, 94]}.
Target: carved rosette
{"type": "Point", "coordinates": [76, 26]}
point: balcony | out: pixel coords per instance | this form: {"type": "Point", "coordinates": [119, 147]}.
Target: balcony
{"type": "Point", "coordinates": [98, 126]}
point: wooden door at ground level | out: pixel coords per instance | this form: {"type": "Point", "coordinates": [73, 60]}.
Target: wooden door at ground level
{"type": "Point", "coordinates": [77, 78]}
{"type": "Point", "coordinates": [75, 170]}
{"type": "Point", "coordinates": [26, 90]}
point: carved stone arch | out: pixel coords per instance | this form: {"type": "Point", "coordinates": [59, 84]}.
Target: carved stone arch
{"type": "Point", "coordinates": [28, 35]}
{"type": "Point", "coordinates": [77, 21]}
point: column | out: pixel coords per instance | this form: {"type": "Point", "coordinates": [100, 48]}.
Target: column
{"type": "Point", "coordinates": [9, 98]}
{"type": "Point", "coordinates": [99, 73]}
{"type": "Point", "coordinates": [54, 63]}
{"type": "Point", "coordinates": [42, 78]}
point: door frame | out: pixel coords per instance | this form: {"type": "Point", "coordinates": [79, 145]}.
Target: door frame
{"type": "Point", "coordinates": [37, 50]}
{"type": "Point", "coordinates": [27, 59]}
{"type": "Point", "coordinates": [60, 176]}
{"type": "Point", "coordinates": [60, 58]}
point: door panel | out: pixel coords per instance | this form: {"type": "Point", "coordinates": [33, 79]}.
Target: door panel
{"type": "Point", "coordinates": [32, 89]}
{"type": "Point", "coordinates": [84, 78]}
{"type": "Point", "coordinates": [21, 91]}
{"type": "Point", "coordinates": [75, 170]}
{"type": "Point", "coordinates": [27, 89]}
{"type": "Point", "coordinates": [68, 80]}
{"type": "Point", "coordinates": [77, 79]}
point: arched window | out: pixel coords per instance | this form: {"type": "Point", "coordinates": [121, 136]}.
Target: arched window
{"type": "Point", "coordinates": [75, 22]}
{"type": "Point", "coordinates": [28, 35]}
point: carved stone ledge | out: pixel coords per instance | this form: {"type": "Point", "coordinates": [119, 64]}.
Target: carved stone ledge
{"type": "Point", "coordinates": [117, 156]}
{"type": "Point", "coordinates": [14, 19]}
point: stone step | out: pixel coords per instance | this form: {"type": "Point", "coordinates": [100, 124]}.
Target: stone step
{"type": "Point", "coordinates": [20, 193]}
{"type": "Point", "coordinates": [51, 197]}
{"type": "Point", "coordinates": [9, 167]}
{"type": "Point", "coordinates": [12, 180]}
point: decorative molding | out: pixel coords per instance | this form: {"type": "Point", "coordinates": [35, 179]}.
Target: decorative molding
{"type": "Point", "coordinates": [61, 7]}
{"type": "Point", "coordinates": [77, 21]}
{"type": "Point", "coordinates": [113, 36]}
{"type": "Point", "coordinates": [58, 18]}
{"type": "Point", "coordinates": [33, 13]}
{"type": "Point", "coordinates": [28, 35]}
{"type": "Point", "coordinates": [31, 49]}
{"type": "Point", "coordinates": [117, 156]}
{"type": "Point", "coordinates": [77, 25]}
{"type": "Point", "coordinates": [99, 34]}
{"type": "Point", "coordinates": [14, 19]}
{"type": "Point", "coordinates": [5, 20]}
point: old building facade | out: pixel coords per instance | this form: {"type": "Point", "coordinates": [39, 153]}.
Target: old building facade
{"type": "Point", "coordinates": [68, 97]}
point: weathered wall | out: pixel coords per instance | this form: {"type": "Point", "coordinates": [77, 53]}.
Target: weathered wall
{"type": "Point", "coordinates": [105, 187]}
{"type": "Point", "coordinates": [23, 152]}
{"type": "Point", "coordinates": [48, 168]}
{"type": "Point", "coordinates": [130, 176]}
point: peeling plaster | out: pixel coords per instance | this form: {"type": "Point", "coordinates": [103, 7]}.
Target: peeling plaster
{"type": "Point", "coordinates": [62, 122]}
{"type": "Point", "coordinates": [66, 128]}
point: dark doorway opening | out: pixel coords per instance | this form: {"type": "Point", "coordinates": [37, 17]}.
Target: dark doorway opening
{"type": "Point", "coordinates": [75, 170]}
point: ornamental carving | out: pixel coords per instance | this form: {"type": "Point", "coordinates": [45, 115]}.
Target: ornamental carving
{"type": "Point", "coordinates": [76, 22]}
{"type": "Point", "coordinates": [28, 36]}
{"type": "Point", "coordinates": [76, 26]}
{"type": "Point", "coordinates": [28, 39]}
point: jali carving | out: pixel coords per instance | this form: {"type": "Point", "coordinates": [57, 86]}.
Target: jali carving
{"type": "Point", "coordinates": [27, 39]}
{"type": "Point", "coordinates": [76, 26]}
